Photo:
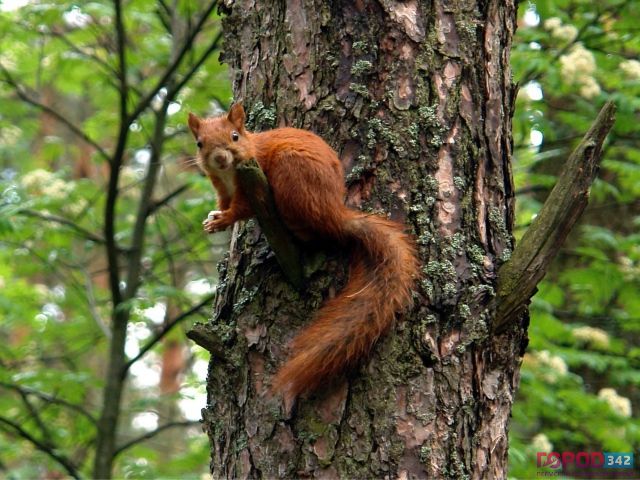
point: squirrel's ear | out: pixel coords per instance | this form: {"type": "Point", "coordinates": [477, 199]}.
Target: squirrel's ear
{"type": "Point", "coordinates": [194, 124]}
{"type": "Point", "coordinates": [236, 116]}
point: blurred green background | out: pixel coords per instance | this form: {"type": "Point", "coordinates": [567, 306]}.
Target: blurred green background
{"type": "Point", "coordinates": [59, 120]}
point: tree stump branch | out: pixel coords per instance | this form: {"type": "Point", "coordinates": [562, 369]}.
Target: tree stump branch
{"type": "Point", "coordinates": [254, 183]}
{"type": "Point", "coordinates": [203, 335]}
{"type": "Point", "coordinates": [518, 278]}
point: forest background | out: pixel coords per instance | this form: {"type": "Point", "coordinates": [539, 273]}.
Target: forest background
{"type": "Point", "coordinates": [61, 123]}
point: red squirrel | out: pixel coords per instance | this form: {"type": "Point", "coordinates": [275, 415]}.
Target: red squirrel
{"type": "Point", "coordinates": [307, 181]}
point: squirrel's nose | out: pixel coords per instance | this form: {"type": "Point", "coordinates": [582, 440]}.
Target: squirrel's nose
{"type": "Point", "coordinates": [222, 159]}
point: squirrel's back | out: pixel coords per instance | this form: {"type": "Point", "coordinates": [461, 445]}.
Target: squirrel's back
{"type": "Point", "coordinates": [307, 180]}
{"type": "Point", "coordinates": [283, 141]}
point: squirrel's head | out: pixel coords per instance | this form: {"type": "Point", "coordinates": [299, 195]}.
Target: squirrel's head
{"type": "Point", "coordinates": [223, 141]}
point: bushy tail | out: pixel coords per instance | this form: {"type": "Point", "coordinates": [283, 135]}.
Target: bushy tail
{"type": "Point", "coordinates": [383, 268]}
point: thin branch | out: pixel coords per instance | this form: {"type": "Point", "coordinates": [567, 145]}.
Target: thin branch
{"type": "Point", "coordinates": [165, 330]}
{"type": "Point", "coordinates": [202, 334]}
{"type": "Point", "coordinates": [164, 15]}
{"type": "Point", "coordinates": [49, 399]}
{"type": "Point", "coordinates": [160, 203]}
{"type": "Point", "coordinates": [173, 67]}
{"type": "Point", "coordinates": [151, 177]}
{"type": "Point", "coordinates": [153, 433]}
{"type": "Point", "coordinates": [112, 391]}
{"type": "Point", "coordinates": [171, 266]}
{"type": "Point", "coordinates": [121, 41]}
{"type": "Point", "coordinates": [108, 68]}
{"type": "Point", "coordinates": [176, 132]}
{"type": "Point", "coordinates": [593, 319]}
{"type": "Point", "coordinates": [50, 451]}
{"type": "Point", "coordinates": [33, 413]}
{"type": "Point", "coordinates": [64, 221]}
{"type": "Point", "coordinates": [57, 34]}
{"type": "Point", "coordinates": [92, 304]}
{"type": "Point", "coordinates": [116, 163]}
{"type": "Point", "coordinates": [194, 68]}
{"type": "Point", "coordinates": [22, 94]}
{"type": "Point", "coordinates": [165, 7]}
{"type": "Point", "coordinates": [518, 278]}
{"type": "Point", "coordinates": [65, 278]}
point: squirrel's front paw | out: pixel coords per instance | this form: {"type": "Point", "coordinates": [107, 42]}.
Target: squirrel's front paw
{"type": "Point", "coordinates": [215, 222]}
{"type": "Point", "coordinates": [213, 215]}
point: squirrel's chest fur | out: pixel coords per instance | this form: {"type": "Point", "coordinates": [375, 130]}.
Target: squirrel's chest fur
{"type": "Point", "coordinates": [227, 181]}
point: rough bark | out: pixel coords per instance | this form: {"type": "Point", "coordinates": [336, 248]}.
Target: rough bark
{"type": "Point", "coordinates": [416, 97]}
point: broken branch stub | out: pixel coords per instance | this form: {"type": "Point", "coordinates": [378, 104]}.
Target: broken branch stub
{"type": "Point", "coordinates": [255, 186]}
{"type": "Point", "coordinates": [518, 278]}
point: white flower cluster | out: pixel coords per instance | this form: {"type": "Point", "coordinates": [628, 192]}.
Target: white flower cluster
{"type": "Point", "coordinates": [552, 23]}
{"type": "Point", "coordinates": [36, 178]}
{"type": "Point", "coordinates": [578, 67]}
{"type": "Point", "coordinates": [562, 32]}
{"type": "Point", "coordinates": [631, 69]}
{"type": "Point", "coordinates": [46, 183]}
{"type": "Point", "coordinates": [595, 337]}
{"type": "Point", "coordinates": [9, 135]}
{"type": "Point", "coordinates": [76, 208]}
{"type": "Point", "coordinates": [541, 443]}
{"type": "Point", "coordinates": [42, 291]}
{"type": "Point", "coordinates": [630, 269]}
{"type": "Point", "coordinates": [589, 87]}
{"type": "Point", "coordinates": [619, 404]}
{"type": "Point", "coordinates": [553, 367]}
{"type": "Point", "coordinates": [578, 62]}
{"type": "Point", "coordinates": [8, 59]}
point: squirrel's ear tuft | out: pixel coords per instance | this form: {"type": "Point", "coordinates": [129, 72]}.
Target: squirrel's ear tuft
{"type": "Point", "coordinates": [194, 124]}
{"type": "Point", "coordinates": [236, 116]}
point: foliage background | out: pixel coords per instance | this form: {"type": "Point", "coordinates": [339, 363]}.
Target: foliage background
{"type": "Point", "coordinates": [580, 376]}
{"type": "Point", "coordinates": [60, 120]}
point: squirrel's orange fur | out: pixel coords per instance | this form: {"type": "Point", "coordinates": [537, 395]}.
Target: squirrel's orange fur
{"type": "Point", "coordinates": [307, 181]}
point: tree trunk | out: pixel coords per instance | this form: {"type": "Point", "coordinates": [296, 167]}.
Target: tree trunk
{"type": "Point", "coordinates": [417, 99]}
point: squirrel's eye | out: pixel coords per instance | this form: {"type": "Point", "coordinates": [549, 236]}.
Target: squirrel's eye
{"type": "Point", "coordinates": [235, 136]}
{"type": "Point", "coordinates": [199, 144]}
